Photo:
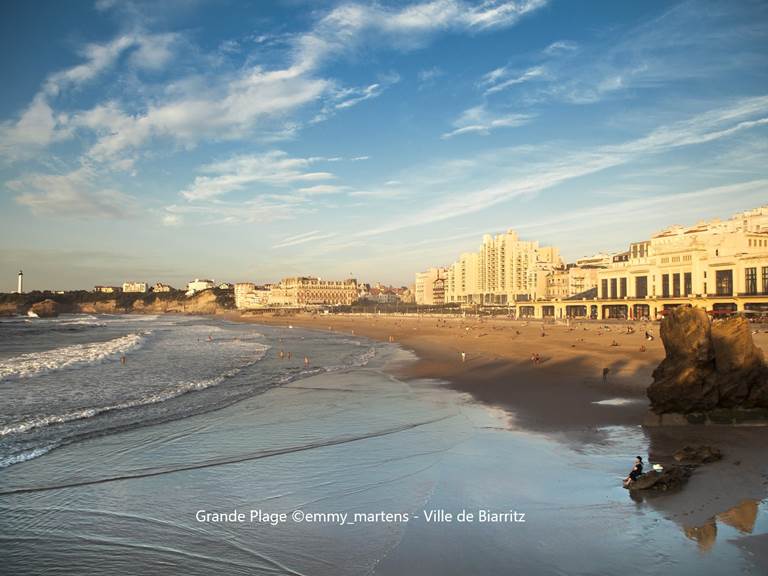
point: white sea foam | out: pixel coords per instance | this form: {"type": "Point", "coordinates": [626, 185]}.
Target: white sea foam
{"type": "Point", "coordinates": [616, 402]}
{"type": "Point", "coordinates": [24, 456]}
{"type": "Point", "coordinates": [34, 363]}
{"type": "Point", "coordinates": [162, 396]}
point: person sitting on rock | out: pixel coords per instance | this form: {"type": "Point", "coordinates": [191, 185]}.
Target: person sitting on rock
{"type": "Point", "coordinates": [636, 472]}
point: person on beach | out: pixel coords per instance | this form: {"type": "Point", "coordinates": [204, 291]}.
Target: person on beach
{"type": "Point", "coordinates": [605, 375]}
{"type": "Point", "coordinates": [463, 356]}
{"type": "Point", "coordinates": [637, 471]}
{"type": "Point", "coordinates": [123, 360]}
{"type": "Point", "coordinates": [306, 360]}
{"type": "Point", "coordinates": [648, 335]}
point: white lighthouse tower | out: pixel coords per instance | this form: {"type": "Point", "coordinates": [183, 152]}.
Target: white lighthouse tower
{"type": "Point", "coordinates": [21, 283]}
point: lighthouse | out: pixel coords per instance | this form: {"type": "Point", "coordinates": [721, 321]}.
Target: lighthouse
{"type": "Point", "coordinates": [21, 283]}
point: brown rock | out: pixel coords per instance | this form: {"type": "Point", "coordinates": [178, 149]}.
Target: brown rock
{"type": "Point", "coordinates": [707, 367]}
{"type": "Point", "coordinates": [698, 454]}
{"type": "Point", "coordinates": [46, 308]}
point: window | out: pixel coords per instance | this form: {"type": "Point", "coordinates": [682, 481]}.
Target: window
{"type": "Point", "coordinates": [641, 286]}
{"type": "Point", "coordinates": [724, 282]}
{"type": "Point", "coordinates": [687, 284]}
{"type": "Point", "coordinates": [604, 288]}
{"type": "Point", "coordinates": [765, 280]}
{"type": "Point", "coordinates": [750, 280]}
{"type": "Point", "coordinates": [665, 285]}
{"type": "Point", "coordinates": [675, 284]}
{"type": "Point", "coordinates": [622, 288]}
{"type": "Point", "coordinates": [613, 287]}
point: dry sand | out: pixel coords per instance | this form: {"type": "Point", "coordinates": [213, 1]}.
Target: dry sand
{"type": "Point", "coordinates": [557, 393]}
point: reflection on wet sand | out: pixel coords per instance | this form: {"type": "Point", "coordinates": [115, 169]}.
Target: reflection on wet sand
{"type": "Point", "coordinates": [742, 517]}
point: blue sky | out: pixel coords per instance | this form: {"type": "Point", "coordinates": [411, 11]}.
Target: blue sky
{"type": "Point", "coordinates": [256, 140]}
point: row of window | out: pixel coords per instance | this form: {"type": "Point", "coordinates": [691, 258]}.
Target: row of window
{"type": "Point", "coordinates": [675, 285]}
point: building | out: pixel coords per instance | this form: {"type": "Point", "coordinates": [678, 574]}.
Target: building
{"type": "Point", "coordinates": [430, 287]}
{"type": "Point", "coordinates": [308, 291]}
{"type": "Point", "coordinates": [225, 286]}
{"type": "Point", "coordinates": [570, 280]}
{"type": "Point", "coordinates": [20, 283]}
{"type": "Point", "coordinates": [249, 296]}
{"type": "Point", "coordinates": [160, 287]}
{"type": "Point", "coordinates": [135, 286]}
{"type": "Point", "coordinates": [506, 269]}
{"type": "Point", "coordinates": [712, 262]}
{"type": "Point", "coordinates": [106, 289]}
{"type": "Point", "coordinates": [198, 285]}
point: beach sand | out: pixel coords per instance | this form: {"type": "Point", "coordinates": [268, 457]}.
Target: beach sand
{"type": "Point", "coordinates": [558, 393]}
{"type": "Point", "coordinates": [564, 395]}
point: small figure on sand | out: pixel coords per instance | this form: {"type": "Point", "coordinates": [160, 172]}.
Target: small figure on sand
{"type": "Point", "coordinates": [535, 358]}
{"type": "Point", "coordinates": [648, 335]}
{"type": "Point", "coordinates": [210, 338]}
{"type": "Point", "coordinates": [643, 349]}
{"type": "Point", "coordinates": [463, 356]}
{"type": "Point", "coordinates": [281, 354]}
{"type": "Point", "coordinates": [289, 355]}
{"type": "Point", "coordinates": [637, 471]}
{"type": "Point", "coordinates": [306, 360]}
{"type": "Point", "coordinates": [391, 338]}
{"type": "Point", "coordinates": [614, 343]}
{"type": "Point", "coordinates": [123, 360]}
{"type": "Point", "coordinates": [605, 375]}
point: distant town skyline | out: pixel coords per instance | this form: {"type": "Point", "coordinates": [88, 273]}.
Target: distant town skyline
{"type": "Point", "coordinates": [167, 141]}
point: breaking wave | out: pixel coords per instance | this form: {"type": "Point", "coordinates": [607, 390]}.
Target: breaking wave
{"type": "Point", "coordinates": [34, 363]}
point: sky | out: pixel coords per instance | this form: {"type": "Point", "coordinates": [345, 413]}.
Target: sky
{"type": "Point", "coordinates": [250, 141]}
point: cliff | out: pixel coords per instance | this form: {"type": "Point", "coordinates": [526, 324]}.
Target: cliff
{"type": "Point", "coordinates": [712, 372]}
{"type": "Point", "coordinates": [207, 302]}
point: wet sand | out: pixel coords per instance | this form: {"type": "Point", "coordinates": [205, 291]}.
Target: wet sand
{"type": "Point", "coordinates": [556, 394]}
{"type": "Point", "coordinates": [564, 395]}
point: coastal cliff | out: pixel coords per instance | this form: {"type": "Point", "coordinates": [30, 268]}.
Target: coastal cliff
{"type": "Point", "coordinates": [712, 372]}
{"type": "Point", "coordinates": [211, 301]}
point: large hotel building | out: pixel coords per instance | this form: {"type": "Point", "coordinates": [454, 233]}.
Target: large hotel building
{"type": "Point", "coordinates": [719, 265]}
{"type": "Point", "coordinates": [297, 292]}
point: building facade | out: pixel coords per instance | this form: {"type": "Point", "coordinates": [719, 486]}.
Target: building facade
{"type": "Point", "coordinates": [160, 287]}
{"type": "Point", "coordinates": [198, 285]}
{"type": "Point", "coordinates": [506, 269]}
{"type": "Point", "coordinates": [308, 291]}
{"type": "Point", "coordinates": [135, 287]}
{"type": "Point", "coordinates": [430, 287]}
{"type": "Point", "coordinates": [715, 261]}
{"type": "Point", "coordinates": [249, 296]}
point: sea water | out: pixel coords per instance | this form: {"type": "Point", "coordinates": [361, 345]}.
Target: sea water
{"type": "Point", "coordinates": [196, 455]}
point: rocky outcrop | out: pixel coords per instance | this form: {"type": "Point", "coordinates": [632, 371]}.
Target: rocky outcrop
{"type": "Point", "coordinates": [710, 368]}
{"type": "Point", "coordinates": [46, 308]}
{"type": "Point", "coordinates": [672, 478]}
{"type": "Point", "coordinates": [698, 454]}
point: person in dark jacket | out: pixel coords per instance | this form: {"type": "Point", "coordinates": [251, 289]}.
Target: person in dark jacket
{"type": "Point", "coordinates": [637, 471]}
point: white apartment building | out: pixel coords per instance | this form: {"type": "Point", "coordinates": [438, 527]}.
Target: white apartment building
{"type": "Point", "coordinates": [198, 285]}
{"type": "Point", "coordinates": [505, 269]}
{"type": "Point", "coordinates": [431, 287]}
{"type": "Point", "coordinates": [249, 296]}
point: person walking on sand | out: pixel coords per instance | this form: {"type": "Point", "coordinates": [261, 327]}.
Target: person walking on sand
{"type": "Point", "coordinates": [463, 356]}
{"type": "Point", "coordinates": [306, 360]}
{"type": "Point", "coordinates": [123, 360]}
{"type": "Point", "coordinates": [605, 375]}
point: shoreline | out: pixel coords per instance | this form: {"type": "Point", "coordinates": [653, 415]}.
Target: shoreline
{"type": "Point", "coordinates": [497, 369]}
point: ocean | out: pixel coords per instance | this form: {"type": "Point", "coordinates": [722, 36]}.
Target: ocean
{"type": "Point", "coordinates": [195, 454]}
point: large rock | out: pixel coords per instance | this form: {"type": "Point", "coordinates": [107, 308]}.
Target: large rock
{"type": "Point", "coordinates": [46, 308]}
{"type": "Point", "coordinates": [672, 478]}
{"type": "Point", "coordinates": [707, 366]}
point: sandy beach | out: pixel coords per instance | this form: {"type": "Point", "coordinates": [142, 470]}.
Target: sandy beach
{"type": "Point", "coordinates": [565, 396]}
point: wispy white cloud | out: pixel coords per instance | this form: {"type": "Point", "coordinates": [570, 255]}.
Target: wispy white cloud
{"type": "Point", "coordinates": [742, 115]}
{"type": "Point", "coordinates": [74, 194]}
{"type": "Point", "coordinates": [502, 78]}
{"type": "Point", "coordinates": [273, 168]}
{"type": "Point", "coordinates": [314, 236]}
{"type": "Point", "coordinates": [479, 120]}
